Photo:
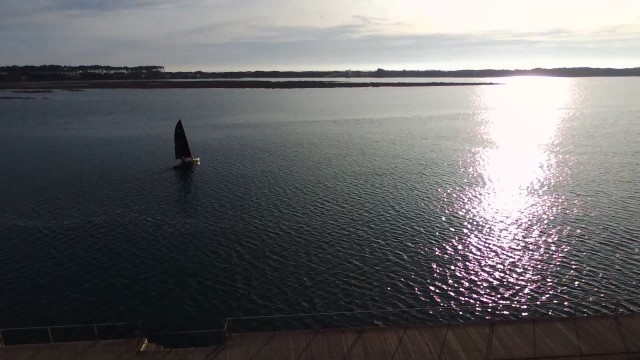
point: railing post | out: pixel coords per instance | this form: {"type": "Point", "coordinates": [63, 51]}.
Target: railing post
{"type": "Point", "coordinates": [575, 325]}
{"type": "Point", "coordinates": [492, 325]}
{"type": "Point", "coordinates": [228, 330]}
{"type": "Point", "coordinates": [444, 341]}
{"type": "Point", "coordinates": [493, 314]}
{"type": "Point", "coordinates": [535, 314]}
{"type": "Point", "coordinates": [324, 322]}
{"type": "Point", "coordinates": [50, 337]}
{"type": "Point", "coordinates": [95, 331]}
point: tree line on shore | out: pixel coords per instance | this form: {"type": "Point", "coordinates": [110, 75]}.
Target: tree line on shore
{"type": "Point", "coordinates": [150, 72]}
{"type": "Point", "coordinates": [82, 72]}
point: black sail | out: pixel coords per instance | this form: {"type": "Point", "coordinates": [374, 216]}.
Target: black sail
{"type": "Point", "coordinates": [180, 139]}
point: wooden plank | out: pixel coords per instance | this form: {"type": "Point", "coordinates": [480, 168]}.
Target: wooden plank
{"type": "Point", "coordinates": [556, 337]}
{"type": "Point", "coordinates": [111, 349]}
{"type": "Point", "coordinates": [377, 343]}
{"type": "Point", "coordinates": [22, 352]}
{"type": "Point", "coordinates": [286, 345]}
{"type": "Point", "coordinates": [630, 327]}
{"type": "Point", "coordinates": [599, 335]}
{"type": "Point", "coordinates": [330, 344]}
{"type": "Point", "coordinates": [65, 350]}
{"type": "Point", "coordinates": [245, 346]}
{"type": "Point", "coordinates": [181, 354]}
{"type": "Point", "coordinates": [421, 342]}
{"type": "Point", "coordinates": [466, 341]}
{"type": "Point", "coordinates": [600, 357]}
{"type": "Point", "coordinates": [512, 340]}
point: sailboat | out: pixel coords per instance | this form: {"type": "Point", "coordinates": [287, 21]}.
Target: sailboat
{"type": "Point", "coordinates": [183, 152]}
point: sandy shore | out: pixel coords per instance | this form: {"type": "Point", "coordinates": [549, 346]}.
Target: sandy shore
{"type": "Point", "coordinates": [225, 84]}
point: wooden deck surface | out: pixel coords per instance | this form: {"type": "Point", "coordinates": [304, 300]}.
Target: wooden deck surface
{"type": "Point", "coordinates": [591, 337]}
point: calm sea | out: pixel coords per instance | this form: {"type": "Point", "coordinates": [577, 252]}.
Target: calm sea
{"type": "Point", "coordinates": [316, 200]}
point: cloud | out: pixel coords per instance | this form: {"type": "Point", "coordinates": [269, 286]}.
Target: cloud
{"type": "Point", "coordinates": [104, 5]}
{"type": "Point", "coordinates": [220, 35]}
{"type": "Point", "coordinates": [343, 47]}
{"type": "Point", "coordinates": [16, 8]}
{"type": "Point", "coordinates": [361, 33]}
{"type": "Point", "coordinates": [369, 20]}
{"type": "Point", "coordinates": [303, 33]}
{"type": "Point", "coordinates": [20, 8]}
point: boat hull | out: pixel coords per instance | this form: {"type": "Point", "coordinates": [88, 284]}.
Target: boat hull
{"type": "Point", "coordinates": [188, 163]}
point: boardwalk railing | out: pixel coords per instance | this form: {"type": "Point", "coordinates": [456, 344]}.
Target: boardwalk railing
{"type": "Point", "coordinates": [315, 321]}
{"type": "Point", "coordinates": [69, 333]}
{"type": "Point", "coordinates": [432, 315]}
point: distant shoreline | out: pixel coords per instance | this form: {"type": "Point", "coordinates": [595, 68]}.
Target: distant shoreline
{"type": "Point", "coordinates": [58, 73]}
{"type": "Point", "coordinates": [218, 84]}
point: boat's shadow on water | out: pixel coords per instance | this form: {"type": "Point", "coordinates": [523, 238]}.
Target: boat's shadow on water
{"type": "Point", "coordinates": [185, 192]}
{"type": "Point", "coordinates": [184, 179]}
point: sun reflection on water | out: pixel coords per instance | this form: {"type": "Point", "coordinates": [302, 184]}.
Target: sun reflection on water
{"type": "Point", "coordinates": [506, 245]}
{"type": "Point", "coordinates": [520, 123]}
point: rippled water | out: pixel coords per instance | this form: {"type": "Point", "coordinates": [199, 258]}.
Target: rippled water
{"type": "Point", "coordinates": [317, 200]}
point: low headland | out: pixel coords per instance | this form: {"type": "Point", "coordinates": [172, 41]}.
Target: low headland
{"type": "Point", "coordinates": [45, 86]}
{"type": "Point", "coordinates": [155, 77]}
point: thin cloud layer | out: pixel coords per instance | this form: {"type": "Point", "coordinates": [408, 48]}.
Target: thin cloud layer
{"type": "Point", "coordinates": [260, 34]}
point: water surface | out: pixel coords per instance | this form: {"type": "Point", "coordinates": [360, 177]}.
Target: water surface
{"type": "Point", "coordinates": [316, 200]}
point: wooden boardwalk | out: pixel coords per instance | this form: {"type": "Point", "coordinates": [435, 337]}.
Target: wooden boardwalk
{"type": "Point", "coordinates": [603, 337]}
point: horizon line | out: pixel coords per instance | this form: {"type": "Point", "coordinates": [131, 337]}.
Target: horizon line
{"type": "Point", "coordinates": [336, 70]}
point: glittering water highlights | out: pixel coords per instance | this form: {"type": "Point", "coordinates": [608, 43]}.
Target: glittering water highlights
{"type": "Point", "coordinates": [317, 200]}
{"type": "Point", "coordinates": [506, 244]}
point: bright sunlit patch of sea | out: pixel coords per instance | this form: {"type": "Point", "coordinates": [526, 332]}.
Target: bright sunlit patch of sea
{"type": "Point", "coordinates": [505, 245]}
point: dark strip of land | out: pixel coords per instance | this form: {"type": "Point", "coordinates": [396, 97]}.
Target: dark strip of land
{"type": "Point", "coordinates": [220, 84]}
{"type": "Point", "coordinates": [17, 98]}
{"type": "Point", "coordinates": [155, 72]}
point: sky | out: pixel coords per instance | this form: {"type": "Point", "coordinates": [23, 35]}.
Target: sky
{"type": "Point", "coordinates": [236, 35]}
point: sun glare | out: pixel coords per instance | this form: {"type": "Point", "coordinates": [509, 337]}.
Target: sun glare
{"type": "Point", "coordinates": [508, 243]}
{"type": "Point", "coordinates": [520, 122]}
